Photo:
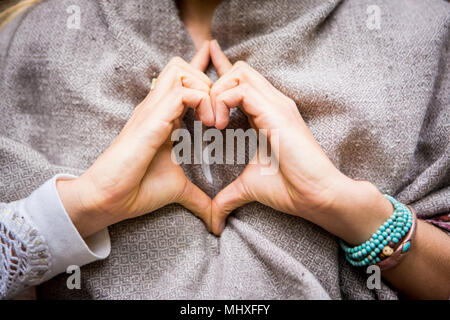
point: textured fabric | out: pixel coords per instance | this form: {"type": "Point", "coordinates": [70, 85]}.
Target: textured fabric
{"type": "Point", "coordinates": [33, 250]}
{"type": "Point", "coordinates": [376, 101]}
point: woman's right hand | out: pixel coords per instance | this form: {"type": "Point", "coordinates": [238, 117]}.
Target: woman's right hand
{"type": "Point", "coordinates": [136, 174]}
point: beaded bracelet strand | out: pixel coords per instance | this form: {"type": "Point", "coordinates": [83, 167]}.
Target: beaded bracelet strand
{"type": "Point", "coordinates": [385, 240]}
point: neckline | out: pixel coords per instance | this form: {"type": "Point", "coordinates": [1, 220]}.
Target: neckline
{"type": "Point", "coordinates": [159, 28]}
{"type": "Point", "coordinates": [155, 26]}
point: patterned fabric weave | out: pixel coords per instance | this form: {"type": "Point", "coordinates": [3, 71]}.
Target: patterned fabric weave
{"type": "Point", "coordinates": [376, 100]}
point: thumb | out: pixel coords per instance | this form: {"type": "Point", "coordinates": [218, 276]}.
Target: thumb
{"type": "Point", "coordinates": [228, 199]}
{"type": "Point", "coordinates": [196, 201]}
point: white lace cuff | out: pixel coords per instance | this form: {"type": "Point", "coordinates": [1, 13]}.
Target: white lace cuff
{"type": "Point", "coordinates": [38, 240]}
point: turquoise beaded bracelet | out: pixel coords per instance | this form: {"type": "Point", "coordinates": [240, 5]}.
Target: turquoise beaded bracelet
{"type": "Point", "coordinates": [381, 244]}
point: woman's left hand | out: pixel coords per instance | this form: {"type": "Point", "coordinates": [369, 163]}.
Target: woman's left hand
{"type": "Point", "coordinates": [307, 183]}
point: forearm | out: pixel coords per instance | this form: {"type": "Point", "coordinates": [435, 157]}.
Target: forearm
{"type": "Point", "coordinates": [424, 273]}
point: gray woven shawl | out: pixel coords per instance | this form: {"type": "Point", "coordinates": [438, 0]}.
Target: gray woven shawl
{"type": "Point", "coordinates": [376, 100]}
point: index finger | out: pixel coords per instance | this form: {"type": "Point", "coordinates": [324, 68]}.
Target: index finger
{"type": "Point", "coordinates": [219, 59]}
{"type": "Point", "coordinates": [201, 59]}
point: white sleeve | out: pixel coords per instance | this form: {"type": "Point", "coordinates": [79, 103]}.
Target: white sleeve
{"type": "Point", "coordinates": [38, 240]}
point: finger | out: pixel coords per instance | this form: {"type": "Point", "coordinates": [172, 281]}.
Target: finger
{"type": "Point", "coordinates": [241, 73]}
{"type": "Point", "coordinates": [244, 96]}
{"type": "Point", "coordinates": [223, 103]}
{"type": "Point", "coordinates": [188, 80]}
{"type": "Point", "coordinates": [227, 200]}
{"type": "Point", "coordinates": [200, 102]}
{"type": "Point", "coordinates": [219, 59]}
{"type": "Point", "coordinates": [201, 59]}
{"type": "Point", "coordinates": [196, 201]}
{"type": "Point", "coordinates": [252, 123]}
{"type": "Point", "coordinates": [176, 75]}
{"type": "Point", "coordinates": [169, 105]}
{"type": "Point", "coordinates": [179, 62]}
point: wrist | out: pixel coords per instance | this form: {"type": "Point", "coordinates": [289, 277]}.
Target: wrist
{"type": "Point", "coordinates": [356, 211]}
{"type": "Point", "coordinates": [362, 209]}
{"type": "Point", "coordinates": [86, 219]}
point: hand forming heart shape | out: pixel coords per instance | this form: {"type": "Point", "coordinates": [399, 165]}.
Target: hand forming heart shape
{"type": "Point", "coordinates": [307, 183]}
{"type": "Point", "coordinates": [135, 175]}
